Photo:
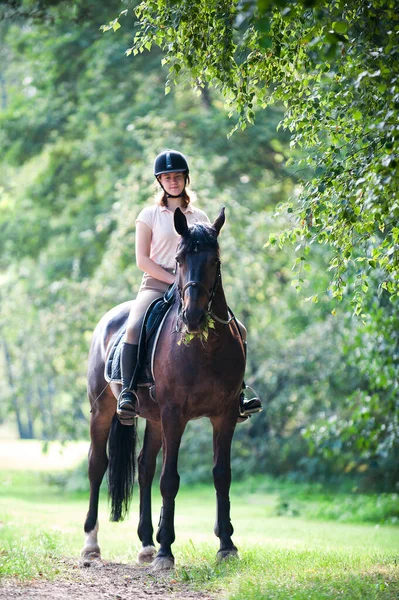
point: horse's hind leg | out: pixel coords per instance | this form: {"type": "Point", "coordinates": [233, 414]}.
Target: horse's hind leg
{"type": "Point", "coordinates": [223, 430]}
{"type": "Point", "coordinates": [98, 462]}
{"type": "Point", "coordinates": [146, 467]}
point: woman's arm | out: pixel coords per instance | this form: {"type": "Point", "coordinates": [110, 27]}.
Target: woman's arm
{"type": "Point", "coordinates": [143, 260]}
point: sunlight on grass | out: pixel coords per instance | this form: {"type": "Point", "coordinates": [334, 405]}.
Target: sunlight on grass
{"type": "Point", "coordinates": [29, 556]}
{"type": "Point", "coordinates": [280, 556]}
{"type": "Point", "coordinates": [35, 455]}
{"type": "Point", "coordinates": [275, 573]}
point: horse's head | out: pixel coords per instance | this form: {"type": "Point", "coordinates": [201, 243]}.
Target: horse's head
{"type": "Point", "coordinates": [198, 271]}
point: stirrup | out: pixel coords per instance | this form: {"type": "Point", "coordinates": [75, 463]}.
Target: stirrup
{"type": "Point", "coordinates": [249, 406]}
{"type": "Point", "coordinates": [127, 406]}
{"type": "Point", "coordinates": [242, 419]}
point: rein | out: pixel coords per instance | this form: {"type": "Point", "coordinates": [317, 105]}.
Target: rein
{"type": "Point", "coordinates": [223, 321]}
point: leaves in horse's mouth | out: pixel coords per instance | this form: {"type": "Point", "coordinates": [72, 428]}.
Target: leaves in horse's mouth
{"type": "Point", "coordinates": [187, 337]}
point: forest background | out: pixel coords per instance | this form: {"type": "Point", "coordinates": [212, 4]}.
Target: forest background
{"type": "Point", "coordinates": [80, 126]}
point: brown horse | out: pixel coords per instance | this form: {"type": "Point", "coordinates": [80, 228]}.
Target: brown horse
{"type": "Point", "coordinates": [201, 379]}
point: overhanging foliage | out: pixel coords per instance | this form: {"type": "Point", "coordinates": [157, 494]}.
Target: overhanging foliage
{"type": "Point", "coordinates": [334, 66]}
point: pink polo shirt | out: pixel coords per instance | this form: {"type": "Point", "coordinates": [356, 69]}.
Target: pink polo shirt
{"type": "Point", "coordinates": [165, 239]}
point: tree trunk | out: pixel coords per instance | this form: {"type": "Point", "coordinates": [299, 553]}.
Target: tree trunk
{"type": "Point", "coordinates": [3, 92]}
{"type": "Point", "coordinates": [25, 432]}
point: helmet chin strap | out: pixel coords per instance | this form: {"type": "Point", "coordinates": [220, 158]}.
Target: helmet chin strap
{"type": "Point", "coordinates": [171, 195]}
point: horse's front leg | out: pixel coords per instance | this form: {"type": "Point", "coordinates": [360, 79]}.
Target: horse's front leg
{"type": "Point", "coordinates": [98, 462]}
{"type": "Point", "coordinates": [146, 467]}
{"type": "Point", "coordinates": [172, 430]}
{"type": "Point", "coordinates": [223, 431]}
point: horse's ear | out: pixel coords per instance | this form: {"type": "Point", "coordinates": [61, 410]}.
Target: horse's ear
{"type": "Point", "coordinates": [219, 221]}
{"type": "Point", "coordinates": [180, 222]}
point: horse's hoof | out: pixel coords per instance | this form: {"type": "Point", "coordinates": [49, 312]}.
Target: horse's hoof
{"type": "Point", "coordinates": [163, 563]}
{"type": "Point", "coordinates": [90, 559]}
{"type": "Point", "coordinates": [226, 554]}
{"type": "Point", "coordinates": [146, 555]}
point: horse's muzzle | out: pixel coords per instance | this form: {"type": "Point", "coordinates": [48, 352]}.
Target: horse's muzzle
{"type": "Point", "coordinates": [194, 319]}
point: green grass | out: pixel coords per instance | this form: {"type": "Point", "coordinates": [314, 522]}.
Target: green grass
{"type": "Point", "coordinates": [288, 550]}
{"type": "Point", "coordinates": [268, 573]}
{"type": "Point", "coordinates": [315, 501]}
{"type": "Point", "coordinates": [35, 554]}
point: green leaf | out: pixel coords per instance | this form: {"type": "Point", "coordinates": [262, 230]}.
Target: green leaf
{"type": "Point", "coordinates": [262, 25]}
{"type": "Point", "coordinates": [265, 42]}
{"type": "Point", "coordinates": [340, 26]}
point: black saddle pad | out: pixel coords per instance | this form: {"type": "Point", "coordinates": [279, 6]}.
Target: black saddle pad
{"type": "Point", "coordinates": [113, 366]}
{"type": "Point", "coordinates": [152, 320]}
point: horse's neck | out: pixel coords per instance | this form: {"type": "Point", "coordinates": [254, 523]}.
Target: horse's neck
{"type": "Point", "coordinates": [219, 305]}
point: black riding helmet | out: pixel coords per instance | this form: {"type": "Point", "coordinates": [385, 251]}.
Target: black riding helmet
{"type": "Point", "coordinates": [170, 161]}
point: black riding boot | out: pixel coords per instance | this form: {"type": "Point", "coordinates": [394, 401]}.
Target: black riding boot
{"type": "Point", "coordinates": [127, 400]}
{"type": "Point", "coordinates": [249, 402]}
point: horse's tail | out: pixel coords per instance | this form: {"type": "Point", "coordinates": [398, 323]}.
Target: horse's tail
{"type": "Point", "coordinates": [121, 467]}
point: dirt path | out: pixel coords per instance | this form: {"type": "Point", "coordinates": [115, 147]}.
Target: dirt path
{"type": "Point", "coordinates": [112, 581]}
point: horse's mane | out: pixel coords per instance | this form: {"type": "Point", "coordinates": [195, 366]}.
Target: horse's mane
{"type": "Point", "coordinates": [199, 237]}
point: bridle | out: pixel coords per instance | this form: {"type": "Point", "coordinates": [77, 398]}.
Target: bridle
{"type": "Point", "coordinates": [209, 293]}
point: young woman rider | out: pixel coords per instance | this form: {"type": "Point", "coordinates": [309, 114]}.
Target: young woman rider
{"type": "Point", "coordinates": [156, 244]}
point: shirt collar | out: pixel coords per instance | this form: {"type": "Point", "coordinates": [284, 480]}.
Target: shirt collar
{"type": "Point", "coordinates": [189, 209]}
